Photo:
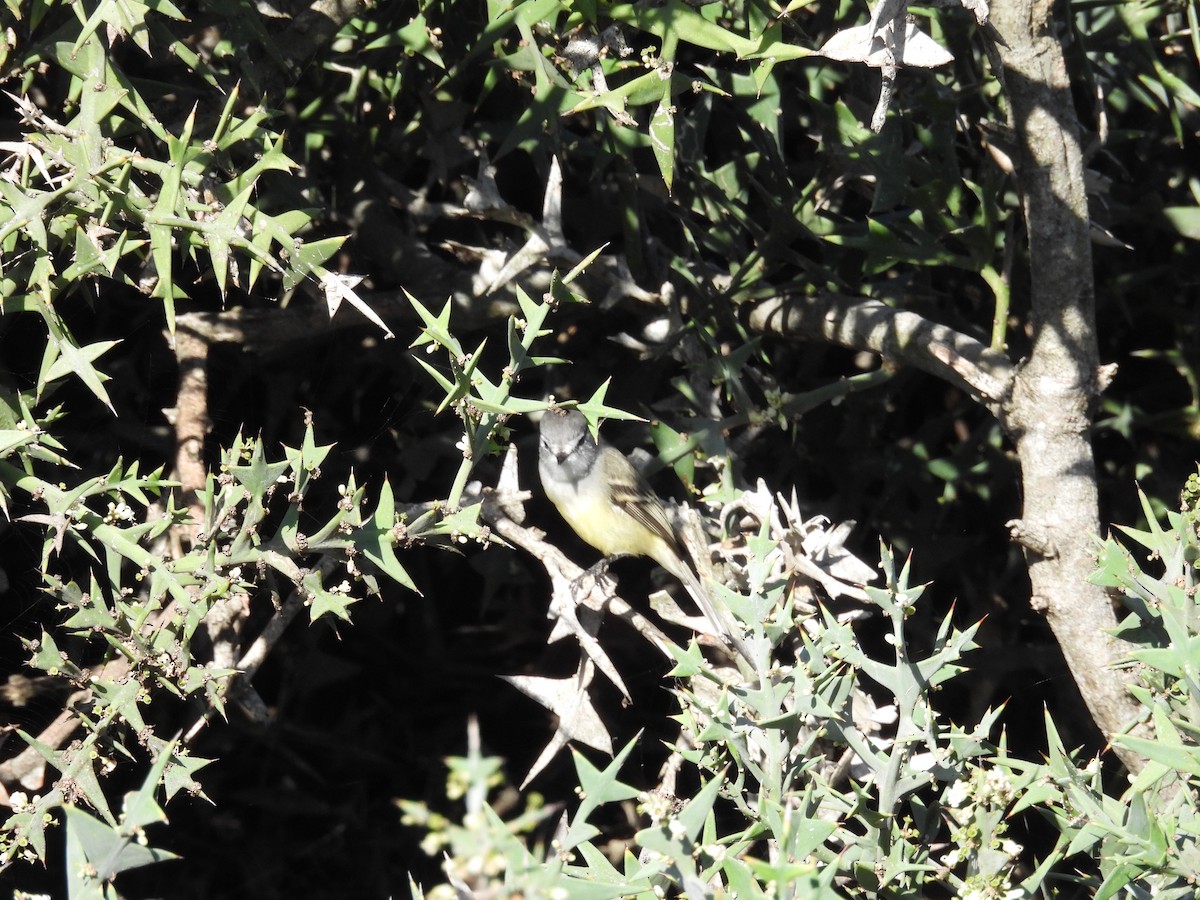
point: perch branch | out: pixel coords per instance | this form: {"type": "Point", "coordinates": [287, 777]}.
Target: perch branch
{"type": "Point", "coordinates": [564, 573]}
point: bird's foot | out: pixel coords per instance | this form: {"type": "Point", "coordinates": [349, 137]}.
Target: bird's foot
{"type": "Point", "coordinates": [596, 576]}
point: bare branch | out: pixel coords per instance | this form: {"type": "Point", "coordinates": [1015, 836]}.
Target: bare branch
{"type": "Point", "coordinates": [896, 334]}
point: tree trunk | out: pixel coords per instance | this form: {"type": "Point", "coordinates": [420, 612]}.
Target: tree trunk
{"type": "Point", "coordinates": [1049, 413]}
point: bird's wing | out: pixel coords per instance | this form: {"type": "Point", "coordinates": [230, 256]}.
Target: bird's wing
{"type": "Point", "coordinates": [640, 502]}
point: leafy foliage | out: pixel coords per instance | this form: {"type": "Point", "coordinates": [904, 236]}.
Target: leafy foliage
{"type": "Point", "coordinates": [218, 172]}
{"type": "Point", "coordinates": [809, 786]}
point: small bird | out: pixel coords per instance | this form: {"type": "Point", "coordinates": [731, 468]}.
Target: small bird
{"type": "Point", "coordinates": [611, 506]}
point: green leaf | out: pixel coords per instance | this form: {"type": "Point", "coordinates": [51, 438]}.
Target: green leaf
{"type": "Point", "coordinates": [1185, 220]}
{"type": "Point", "coordinates": [324, 602]}
{"type": "Point", "coordinates": [97, 851]}
{"type": "Point", "coordinates": [140, 808]}
{"type": "Point", "coordinates": [688, 662]}
{"type": "Point", "coordinates": [259, 476]}
{"type": "Point", "coordinates": [437, 328]}
{"type": "Point", "coordinates": [1179, 757]}
{"type": "Point", "coordinates": [78, 773]}
{"type": "Point", "coordinates": [414, 37]}
{"type": "Point", "coordinates": [662, 139]}
{"type": "Point", "coordinates": [597, 787]}
{"type": "Point", "coordinates": [1117, 879]}
{"type": "Point", "coordinates": [801, 879]}
{"type": "Point", "coordinates": [181, 771]}
{"type": "Point", "coordinates": [640, 91]}
{"type": "Point", "coordinates": [461, 523]}
{"type": "Point", "coordinates": [443, 382]}
{"type": "Point", "coordinates": [677, 18]}
{"type": "Point", "coordinates": [49, 659]}
{"type": "Point", "coordinates": [30, 824]}
{"type": "Point", "coordinates": [678, 450]}
{"type": "Point", "coordinates": [78, 360]}
{"type": "Point", "coordinates": [170, 205]}
{"type": "Point", "coordinates": [375, 540]}
{"type": "Point", "coordinates": [304, 260]}
{"type": "Point", "coordinates": [594, 409]}
{"type": "Point", "coordinates": [306, 461]}
{"type": "Point", "coordinates": [696, 812]}
{"type": "Point", "coordinates": [224, 231]}
{"type": "Point", "coordinates": [11, 440]}
{"type": "Point", "coordinates": [510, 406]}
{"type": "Point", "coordinates": [128, 18]}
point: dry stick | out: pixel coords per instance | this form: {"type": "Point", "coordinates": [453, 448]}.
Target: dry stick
{"type": "Point", "coordinates": [190, 419]}
{"type": "Point", "coordinates": [191, 422]}
{"type": "Point", "coordinates": [896, 334]}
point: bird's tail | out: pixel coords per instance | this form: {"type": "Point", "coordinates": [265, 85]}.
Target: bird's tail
{"type": "Point", "coordinates": [703, 599]}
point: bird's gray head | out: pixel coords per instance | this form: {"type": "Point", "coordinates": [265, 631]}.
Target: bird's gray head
{"type": "Point", "coordinates": [562, 433]}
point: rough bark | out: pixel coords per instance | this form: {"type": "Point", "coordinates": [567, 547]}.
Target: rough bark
{"type": "Point", "coordinates": [1049, 414]}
